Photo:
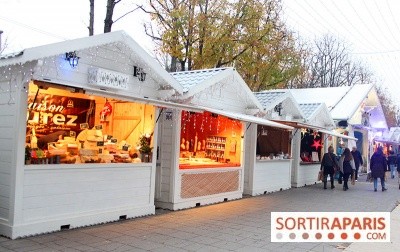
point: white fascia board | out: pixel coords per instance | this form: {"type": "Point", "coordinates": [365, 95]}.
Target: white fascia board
{"type": "Point", "coordinates": [145, 100]}
{"type": "Point", "coordinates": [333, 133]}
{"type": "Point", "coordinates": [247, 118]}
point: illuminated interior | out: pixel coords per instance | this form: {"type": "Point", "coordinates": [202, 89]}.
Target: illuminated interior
{"type": "Point", "coordinates": [67, 126]}
{"type": "Point", "coordinates": [311, 146]}
{"type": "Point", "coordinates": [209, 140]}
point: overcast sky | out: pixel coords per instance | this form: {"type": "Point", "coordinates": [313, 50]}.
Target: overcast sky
{"type": "Point", "coordinates": [371, 28]}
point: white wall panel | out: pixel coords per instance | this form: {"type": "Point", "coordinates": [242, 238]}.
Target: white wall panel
{"type": "Point", "coordinates": [49, 193]}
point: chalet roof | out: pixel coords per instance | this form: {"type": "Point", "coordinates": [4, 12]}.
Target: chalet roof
{"type": "Point", "coordinates": [190, 79]}
{"type": "Point", "coordinates": [317, 114]}
{"type": "Point", "coordinates": [109, 46]}
{"type": "Point", "coordinates": [216, 80]}
{"type": "Point", "coordinates": [269, 99]}
{"type": "Point", "coordinates": [342, 102]}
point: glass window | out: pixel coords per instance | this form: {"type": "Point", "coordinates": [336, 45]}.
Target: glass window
{"type": "Point", "coordinates": [66, 126]}
{"type": "Point", "coordinates": [209, 140]}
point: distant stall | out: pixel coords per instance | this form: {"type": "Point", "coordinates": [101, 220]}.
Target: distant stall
{"type": "Point", "coordinates": [356, 111]}
{"type": "Point", "coordinates": [269, 157]}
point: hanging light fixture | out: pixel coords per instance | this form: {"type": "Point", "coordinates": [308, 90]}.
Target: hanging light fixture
{"type": "Point", "coordinates": [138, 72]}
{"type": "Point", "coordinates": [72, 58]}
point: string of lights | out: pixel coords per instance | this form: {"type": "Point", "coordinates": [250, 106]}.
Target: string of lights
{"type": "Point", "coordinates": [370, 28]}
{"type": "Point", "coordinates": [348, 23]}
{"type": "Point", "coordinates": [33, 28]}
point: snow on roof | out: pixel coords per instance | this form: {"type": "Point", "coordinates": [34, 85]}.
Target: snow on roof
{"type": "Point", "coordinates": [348, 105]}
{"type": "Point", "coordinates": [309, 109]}
{"type": "Point", "coordinates": [329, 96]}
{"type": "Point", "coordinates": [317, 114]}
{"type": "Point", "coordinates": [189, 79]}
{"type": "Point", "coordinates": [108, 42]}
{"type": "Point", "coordinates": [270, 98]}
{"type": "Point", "coordinates": [342, 102]}
{"type": "Point", "coordinates": [194, 82]}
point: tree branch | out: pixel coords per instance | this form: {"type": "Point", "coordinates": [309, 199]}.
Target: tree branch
{"type": "Point", "coordinates": [138, 7]}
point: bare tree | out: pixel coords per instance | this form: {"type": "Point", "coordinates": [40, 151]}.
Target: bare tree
{"type": "Point", "coordinates": [390, 109]}
{"type": "Point", "coordinates": [330, 65]}
{"type": "Point", "coordinates": [3, 45]}
{"type": "Point", "coordinates": [91, 18]}
{"type": "Point", "coordinates": [108, 21]}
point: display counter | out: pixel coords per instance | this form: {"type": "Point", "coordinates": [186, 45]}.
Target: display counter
{"type": "Point", "coordinates": [201, 163]}
{"type": "Point", "coordinates": [269, 175]}
{"type": "Point", "coordinates": [307, 174]}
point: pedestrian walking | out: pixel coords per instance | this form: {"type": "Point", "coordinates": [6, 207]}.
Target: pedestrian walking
{"type": "Point", "coordinates": [347, 167]}
{"type": "Point", "coordinates": [398, 168]}
{"type": "Point", "coordinates": [358, 161]}
{"type": "Point", "coordinates": [392, 161]}
{"type": "Point", "coordinates": [329, 164]}
{"type": "Point", "coordinates": [378, 168]}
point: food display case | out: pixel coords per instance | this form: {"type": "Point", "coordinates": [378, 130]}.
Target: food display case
{"type": "Point", "coordinates": [76, 128]}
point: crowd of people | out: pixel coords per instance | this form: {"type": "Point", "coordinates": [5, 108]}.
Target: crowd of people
{"type": "Point", "coordinates": [348, 164]}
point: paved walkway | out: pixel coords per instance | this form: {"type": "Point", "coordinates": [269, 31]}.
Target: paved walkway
{"type": "Point", "coordinates": [241, 225]}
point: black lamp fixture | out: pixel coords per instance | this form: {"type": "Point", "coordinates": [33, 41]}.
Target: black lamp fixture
{"type": "Point", "coordinates": [138, 72]}
{"type": "Point", "coordinates": [72, 58]}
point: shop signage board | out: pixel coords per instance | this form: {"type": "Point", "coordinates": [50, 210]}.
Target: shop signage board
{"type": "Point", "coordinates": [108, 79]}
{"type": "Point", "coordinates": [59, 115]}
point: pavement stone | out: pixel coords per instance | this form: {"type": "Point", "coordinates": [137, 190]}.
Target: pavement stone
{"type": "Point", "coordinates": [240, 225]}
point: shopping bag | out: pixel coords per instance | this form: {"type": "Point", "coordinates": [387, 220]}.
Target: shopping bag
{"type": "Point", "coordinates": [320, 175]}
{"type": "Point", "coordinates": [353, 179]}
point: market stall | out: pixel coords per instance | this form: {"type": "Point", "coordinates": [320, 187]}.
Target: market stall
{"type": "Point", "coordinates": [269, 148]}
{"type": "Point", "coordinates": [310, 142]}
{"type": "Point", "coordinates": [209, 164]}
{"type": "Point", "coordinates": [80, 120]}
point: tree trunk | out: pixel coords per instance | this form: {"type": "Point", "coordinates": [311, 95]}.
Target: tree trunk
{"type": "Point", "coordinates": [91, 18]}
{"type": "Point", "coordinates": [109, 15]}
{"type": "Point", "coordinates": [173, 64]}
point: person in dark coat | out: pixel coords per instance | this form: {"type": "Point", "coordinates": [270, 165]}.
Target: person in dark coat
{"type": "Point", "coordinates": [357, 160]}
{"type": "Point", "coordinates": [392, 161]}
{"type": "Point", "coordinates": [347, 167]}
{"type": "Point", "coordinates": [329, 164]}
{"type": "Point", "coordinates": [378, 167]}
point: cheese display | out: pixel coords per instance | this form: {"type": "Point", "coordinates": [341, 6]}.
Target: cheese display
{"type": "Point", "coordinates": [68, 128]}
